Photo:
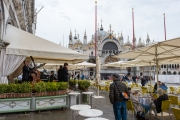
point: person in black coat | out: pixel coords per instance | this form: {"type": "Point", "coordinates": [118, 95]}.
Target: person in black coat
{"type": "Point", "coordinates": [26, 72]}
{"type": "Point", "coordinates": [143, 81]}
{"type": "Point", "coordinates": [65, 73]}
{"type": "Point", "coordinates": [52, 76]}
{"type": "Point", "coordinates": [158, 101]}
{"type": "Point", "coordinates": [155, 86]}
{"type": "Point", "coordinates": [60, 74]}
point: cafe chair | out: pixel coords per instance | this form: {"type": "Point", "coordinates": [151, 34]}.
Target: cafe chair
{"type": "Point", "coordinates": [165, 107]}
{"type": "Point", "coordinates": [102, 88]}
{"type": "Point", "coordinates": [155, 95]}
{"type": "Point", "coordinates": [136, 85]}
{"type": "Point", "coordinates": [171, 89]}
{"type": "Point", "coordinates": [174, 100]}
{"type": "Point", "coordinates": [130, 107]}
{"type": "Point", "coordinates": [178, 91]}
{"type": "Point", "coordinates": [144, 90]}
{"type": "Point", "coordinates": [107, 88]}
{"type": "Point", "coordinates": [176, 112]}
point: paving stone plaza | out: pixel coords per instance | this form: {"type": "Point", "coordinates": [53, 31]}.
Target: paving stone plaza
{"type": "Point", "coordinates": [102, 104]}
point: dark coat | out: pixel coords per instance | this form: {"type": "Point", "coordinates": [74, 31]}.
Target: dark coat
{"type": "Point", "coordinates": [52, 77]}
{"type": "Point", "coordinates": [155, 87]}
{"type": "Point", "coordinates": [60, 75]}
{"type": "Point", "coordinates": [158, 102]}
{"type": "Point", "coordinates": [114, 95]}
{"type": "Point", "coordinates": [65, 74]}
{"type": "Point", "coordinates": [26, 73]}
{"type": "Point", "coordinates": [143, 81]}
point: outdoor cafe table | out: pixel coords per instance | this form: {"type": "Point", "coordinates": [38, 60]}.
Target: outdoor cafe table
{"type": "Point", "coordinates": [136, 89]}
{"type": "Point", "coordinates": [96, 119]}
{"type": "Point", "coordinates": [145, 100]}
{"type": "Point", "coordinates": [73, 100]}
{"type": "Point", "coordinates": [90, 94]}
{"type": "Point", "coordinates": [78, 108]}
{"type": "Point", "coordinates": [92, 113]}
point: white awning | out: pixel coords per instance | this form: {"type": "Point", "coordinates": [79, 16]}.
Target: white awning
{"type": "Point", "coordinates": [26, 44]}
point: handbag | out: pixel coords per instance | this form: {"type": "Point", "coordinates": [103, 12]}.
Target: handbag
{"type": "Point", "coordinates": [123, 95]}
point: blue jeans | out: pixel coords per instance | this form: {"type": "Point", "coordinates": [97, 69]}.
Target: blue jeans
{"type": "Point", "coordinates": [120, 110]}
{"type": "Point", "coordinates": [147, 108]}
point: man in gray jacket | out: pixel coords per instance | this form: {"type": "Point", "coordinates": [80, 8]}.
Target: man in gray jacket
{"type": "Point", "coordinates": [119, 105]}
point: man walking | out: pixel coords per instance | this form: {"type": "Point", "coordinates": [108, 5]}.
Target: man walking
{"type": "Point", "coordinates": [119, 105]}
{"type": "Point", "coordinates": [60, 74]}
{"type": "Point", "coordinates": [65, 73]}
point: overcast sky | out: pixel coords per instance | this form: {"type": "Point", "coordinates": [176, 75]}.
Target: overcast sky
{"type": "Point", "coordinates": [59, 16]}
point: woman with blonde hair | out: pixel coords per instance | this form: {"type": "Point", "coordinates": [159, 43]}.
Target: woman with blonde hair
{"type": "Point", "coordinates": [158, 102]}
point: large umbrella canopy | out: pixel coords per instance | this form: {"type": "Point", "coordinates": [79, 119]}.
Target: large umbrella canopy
{"type": "Point", "coordinates": [161, 51]}
{"type": "Point", "coordinates": [44, 51]}
{"type": "Point", "coordinates": [57, 66]}
{"type": "Point", "coordinates": [137, 62]}
{"type": "Point", "coordinates": [84, 64]}
{"type": "Point", "coordinates": [118, 64]}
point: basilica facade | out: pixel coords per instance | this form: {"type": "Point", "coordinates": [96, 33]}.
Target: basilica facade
{"type": "Point", "coordinates": [108, 44]}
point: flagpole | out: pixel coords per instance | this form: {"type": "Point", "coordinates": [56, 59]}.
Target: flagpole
{"type": "Point", "coordinates": [164, 26]}
{"type": "Point", "coordinates": [133, 27]}
{"type": "Point", "coordinates": [95, 38]}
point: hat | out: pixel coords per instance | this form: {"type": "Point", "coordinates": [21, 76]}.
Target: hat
{"type": "Point", "coordinates": [115, 75]}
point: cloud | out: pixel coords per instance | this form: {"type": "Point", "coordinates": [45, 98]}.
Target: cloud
{"type": "Point", "coordinates": [59, 16]}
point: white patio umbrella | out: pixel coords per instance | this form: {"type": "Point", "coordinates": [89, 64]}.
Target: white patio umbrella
{"type": "Point", "coordinates": [83, 65]}
{"type": "Point", "coordinates": [161, 51]}
{"type": "Point", "coordinates": [98, 76]}
{"type": "Point", "coordinates": [23, 43]}
{"type": "Point", "coordinates": [118, 64]}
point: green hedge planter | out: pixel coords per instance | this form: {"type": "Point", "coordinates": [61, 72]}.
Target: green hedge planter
{"type": "Point", "coordinates": [15, 105]}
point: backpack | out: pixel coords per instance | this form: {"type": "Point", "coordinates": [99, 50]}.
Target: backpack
{"type": "Point", "coordinates": [123, 95]}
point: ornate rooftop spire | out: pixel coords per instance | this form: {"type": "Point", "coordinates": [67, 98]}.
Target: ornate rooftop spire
{"type": "Point", "coordinates": [101, 28]}
{"type": "Point", "coordinates": [75, 37]}
{"type": "Point", "coordinates": [85, 33]}
{"type": "Point", "coordinates": [110, 28]}
{"type": "Point", "coordinates": [70, 35]}
{"type": "Point", "coordinates": [121, 34]}
{"type": "Point", "coordinates": [147, 36]}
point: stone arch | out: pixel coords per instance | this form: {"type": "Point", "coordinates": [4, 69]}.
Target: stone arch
{"type": "Point", "coordinates": [110, 59]}
{"type": "Point", "coordinates": [110, 40]}
{"type": "Point", "coordinates": [78, 47]}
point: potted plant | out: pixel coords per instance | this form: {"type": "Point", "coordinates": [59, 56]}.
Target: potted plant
{"type": "Point", "coordinates": [25, 89]}
{"type": "Point", "coordinates": [3, 90]}
{"type": "Point", "coordinates": [83, 85]}
{"type": "Point", "coordinates": [13, 90]}
{"type": "Point", "coordinates": [62, 87]}
{"type": "Point", "coordinates": [51, 88]}
{"type": "Point", "coordinates": [72, 84]}
{"type": "Point", "coordinates": [39, 89]}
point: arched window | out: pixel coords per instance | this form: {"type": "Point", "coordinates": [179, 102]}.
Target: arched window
{"type": "Point", "coordinates": [110, 46]}
{"type": "Point", "coordinates": [161, 66]}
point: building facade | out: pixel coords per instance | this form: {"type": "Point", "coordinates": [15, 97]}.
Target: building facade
{"type": "Point", "coordinates": [19, 13]}
{"type": "Point", "coordinates": [108, 44]}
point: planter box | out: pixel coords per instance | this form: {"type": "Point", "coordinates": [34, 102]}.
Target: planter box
{"type": "Point", "coordinates": [3, 95]}
{"type": "Point", "coordinates": [51, 102]}
{"type": "Point", "coordinates": [15, 105]}
{"type": "Point", "coordinates": [32, 103]}
{"type": "Point", "coordinates": [41, 94]}
{"type": "Point", "coordinates": [25, 95]}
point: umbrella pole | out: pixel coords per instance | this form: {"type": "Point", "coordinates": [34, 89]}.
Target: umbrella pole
{"type": "Point", "coordinates": [150, 78]}
{"type": "Point", "coordinates": [156, 66]}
